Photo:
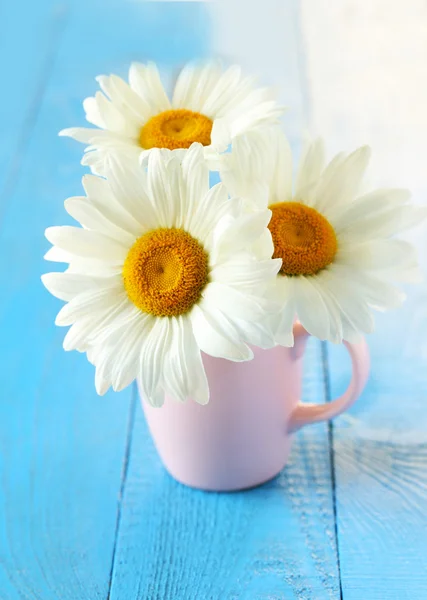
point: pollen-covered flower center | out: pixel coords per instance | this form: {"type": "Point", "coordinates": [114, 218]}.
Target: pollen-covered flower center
{"type": "Point", "coordinates": [302, 238]}
{"type": "Point", "coordinates": [165, 272]}
{"type": "Point", "coordinates": [174, 129]}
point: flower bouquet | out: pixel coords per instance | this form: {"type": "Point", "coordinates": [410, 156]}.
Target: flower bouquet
{"type": "Point", "coordinates": [205, 295]}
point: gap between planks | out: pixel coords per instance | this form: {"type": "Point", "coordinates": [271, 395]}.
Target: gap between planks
{"type": "Point", "coordinates": [125, 469]}
{"type": "Point", "coordinates": [328, 398]}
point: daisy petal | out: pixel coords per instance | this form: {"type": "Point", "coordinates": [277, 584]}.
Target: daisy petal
{"type": "Point", "coordinates": [310, 308]}
{"type": "Point", "coordinates": [131, 189]}
{"type": "Point", "coordinates": [81, 134]}
{"type": "Point", "coordinates": [55, 254]}
{"type": "Point", "coordinates": [93, 114]}
{"type": "Point", "coordinates": [87, 329]}
{"type": "Point", "coordinates": [379, 294]}
{"type": "Point", "coordinates": [245, 272]}
{"type": "Point", "coordinates": [225, 93]}
{"type": "Point", "coordinates": [390, 258]}
{"type": "Point", "coordinates": [243, 169]}
{"type": "Point", "coordinates": [108, 299]}
{"type": "Point", "coordinates": [240, 234]}
{"type": "Point", "coordinates": [125, 99]}
{"type": "Point", "coordinates": [235, 303]}
{"type": "Point", "coordinates": [263, 247]}
{"type": "Point", "coordinates": [77, 335]}
{"type": "Point", "coordinates": [285, 323]}
{"type": "Point", "coordinates": [343, 182]}
{"type": "Point", "coordinates": [355, 314]}
{"type": "Point", "coordinates": [335, 321]}
{"type": "Point", "coordinates": [145, 81]}
{"type": "Point", "coordinates": [152, 358]}
{"type": "Point", "coordinates": [210, 209]}
{"type": "Point", "coordinates": [378, 202]}
{"type": "Point", "coordinates": [127, 356]}
{"type": "Point", "coordinates": [259, 333]}
{"type": "Point", "coordinates": [195, 178]}
{"type": "Point", "coordinates": [186, 376]}
{"type": "Point", "coordinates": [114, 324]}
{"type": "Point", "coordinates": [216, 336]}
{"type": "Point", "coordinates": [101, 196]}
{"type": "Point", "coordinates": [101, 385]}
{"type": "Point", "coordinates": [311, 165]}
{"type": "Point", "coordinates": [383, 225]}
{"type": "Point", "coordinates": [221, 135]}
{"type": "Point", "coordinates": [110, 116]}
{"type": "Point", "coordinates": [67, 286]}
{"type": "Point", "coordinates": [194, 85]}
{"type": "Point", "coordinates": [160, 187]}
{"type": "Point", "coordinates": [85, 243]}
{"type": "Point", "coordinates": [90, 217]}
{"type": "Point", "coordinates": [281, 186]}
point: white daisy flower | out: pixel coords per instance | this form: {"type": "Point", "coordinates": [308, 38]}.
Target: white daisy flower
{"type": "Point", "coordinates": [159, 272]}
{"type": "Point", "coordinates": [340, 258]}
{"type": "Point", "coordinates": [208, 106]}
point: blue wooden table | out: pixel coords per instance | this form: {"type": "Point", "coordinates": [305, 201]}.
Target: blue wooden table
{"type": "Point", "coordinates": [86, 509]}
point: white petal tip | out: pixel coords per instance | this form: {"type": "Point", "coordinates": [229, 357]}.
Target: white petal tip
{"type": "Point", "coordinates": [45, 279]}
{"type": "Point", "coordinates": [287, 341]}
{"type": "Point", "coordinates": [365, 152]}
{"type": "Point", "coordinates": [48, 280]}
{"type": "Point", "coordinates": [54, 254]}
{"type": "Point", "coordinates": [102, 387]}
{"type": "Point", "coordinates": [50, 255]}
{"type": "Point", "coordinates": [60, 322]}
{"type": "Point", "coordinates": [50, 234]}
{"type": "Point", "coordinates": [203, 401]}
{"type": "Point", "coordinates": [155, 403]}
{"type": "Point", "coordinates": [245, 357]}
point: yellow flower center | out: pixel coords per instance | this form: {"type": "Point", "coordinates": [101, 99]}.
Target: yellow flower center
{"type": "Point", "coordinates": [176, 129]}
{"type": "Point", "coordinates": [165, 272]}
{"type": "Point", "coordinates": [302, 237]}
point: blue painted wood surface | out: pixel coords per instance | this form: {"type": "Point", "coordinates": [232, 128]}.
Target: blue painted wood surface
{"type": "Point", "coordinates": [86, 510]}
{"type": "Point", "coordinates": [380, 458]}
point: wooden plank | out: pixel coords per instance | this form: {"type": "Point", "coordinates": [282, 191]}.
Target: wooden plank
{"type": "Point", "coordinates": [370, 91]}
{"type": "Point", "coordinates": [380, 456]}
{"type": "Point", "coordinates": [30, 34]}
{"type": "Point", "coordinates": [276, 541]}
{"type": "Point", "coordinates": [63, 449]}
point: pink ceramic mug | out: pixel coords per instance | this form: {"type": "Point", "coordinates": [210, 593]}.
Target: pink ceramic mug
{"type": "Point", "coordinates": [242, 438]}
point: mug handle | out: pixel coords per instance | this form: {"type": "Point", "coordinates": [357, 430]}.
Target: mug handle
{"type": "Point", "coordinates": [304, 414]}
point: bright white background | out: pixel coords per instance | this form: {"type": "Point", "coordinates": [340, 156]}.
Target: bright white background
{"type": "Point", "coordinates": [362, 70]}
